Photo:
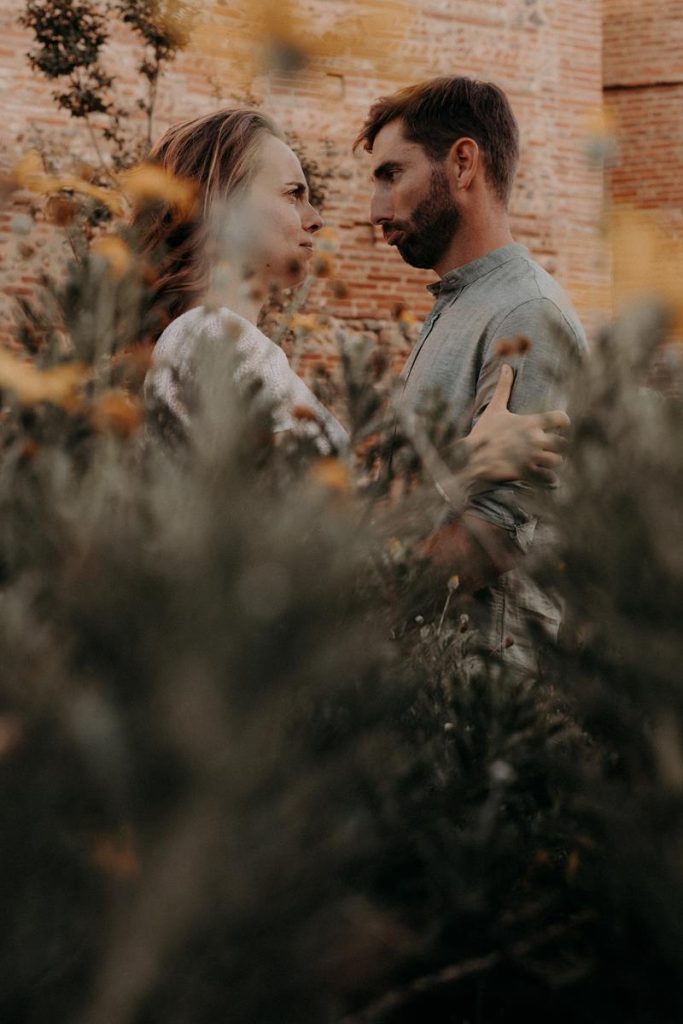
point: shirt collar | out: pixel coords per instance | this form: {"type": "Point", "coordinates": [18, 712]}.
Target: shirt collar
{"type": "Point", "coordinates": [462, 276]}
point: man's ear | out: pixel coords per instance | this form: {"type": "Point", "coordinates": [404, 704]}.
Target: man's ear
{"type": "Point", "coordinates": [463, 158]}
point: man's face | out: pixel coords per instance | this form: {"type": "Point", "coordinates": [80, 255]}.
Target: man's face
{"type": "Point", "coordinates": [412, 199]}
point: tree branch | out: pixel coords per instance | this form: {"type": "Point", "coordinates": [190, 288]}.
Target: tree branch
{"type": "Point", "coordinates": [454, 973]}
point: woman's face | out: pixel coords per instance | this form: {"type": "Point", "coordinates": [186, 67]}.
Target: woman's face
{"type": "Point", "coordinates": [278, 220]}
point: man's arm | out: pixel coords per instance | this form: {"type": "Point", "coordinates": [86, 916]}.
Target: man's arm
{"type": "Point", "coordinates": [471, 548]}
{"type": "Point", "coordinates": [495, 530]}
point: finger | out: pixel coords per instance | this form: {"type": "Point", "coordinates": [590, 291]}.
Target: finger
{"type": "Point", "coordinates": [547, 460]}
{"type": "Point", "coordinates": [554, 443]}
{"type": "Point", "coordinates": [542, 477]}
{"type": "Point", "coordinates": [501, 395]}
{"type": "Point", "coordinates": [555, 420]}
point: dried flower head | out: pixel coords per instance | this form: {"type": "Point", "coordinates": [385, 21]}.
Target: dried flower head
{"type": "Point", "coordinates": [340, 289]}
{"type": "Point", "coordinates": [58, 385]}
{"type": "Point", "coordinates": [304, 323]}
{"type": "Point", "coordinates": [30, 174]}
{"type": "Point", "coordinates": [61, 210]}
{"type": "Point", "coordinates": [322, 265]}
{"type": "Point", "coordinates": [508, 347]}
{"type": "Point", "coordinates": [116, 855]}
{"type": "Point", "coordinates": [332, 474]}
{"type": "Point", "coordinates": [116, 412]}
{"type": "Point", "coordinates": [116, 254]}
{"type": "Point", "coordinates": [304, 412]}
{"type": "Point", "coordinates": [148, 183]}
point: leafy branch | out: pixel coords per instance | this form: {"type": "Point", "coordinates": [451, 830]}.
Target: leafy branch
{"type": "Point", "coordinates": [70, 37]}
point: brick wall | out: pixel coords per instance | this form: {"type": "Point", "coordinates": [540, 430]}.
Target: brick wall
{"type": "Point", "coordinates": [643, 41]}
{"type": "Point", "coordinates": [547, 54]}
{"type": "Point", "coordinates": [643, 71]}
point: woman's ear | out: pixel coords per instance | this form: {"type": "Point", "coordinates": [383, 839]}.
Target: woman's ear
{"type": "Point", "coordinates": [463, 158]}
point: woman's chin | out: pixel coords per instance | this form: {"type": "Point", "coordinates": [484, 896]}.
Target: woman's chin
{"type": "Point", "coordinates": [291, 276]}
{"type": "Point", "coordinates": [298, 270]}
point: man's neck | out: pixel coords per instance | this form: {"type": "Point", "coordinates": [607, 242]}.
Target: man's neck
{"type": "Point", "coordinates": [472, 241]}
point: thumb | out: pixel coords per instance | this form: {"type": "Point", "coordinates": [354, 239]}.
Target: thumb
{"type": "Point", "coordinates": [501, 396]}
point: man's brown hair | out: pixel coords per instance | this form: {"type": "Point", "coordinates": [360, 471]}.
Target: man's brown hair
{"type": "Point", "coordinates": [437, 113]}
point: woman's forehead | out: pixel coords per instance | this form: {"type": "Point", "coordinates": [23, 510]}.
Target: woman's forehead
{"type": "Point", "coordinates": [278, 162]}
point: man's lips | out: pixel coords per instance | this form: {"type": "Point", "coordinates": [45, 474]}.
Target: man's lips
{"type": "Point", "coordinates": [393, 237]}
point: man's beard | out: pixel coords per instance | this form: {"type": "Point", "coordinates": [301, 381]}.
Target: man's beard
{"type": "Point", "coordinates": [431, 227]}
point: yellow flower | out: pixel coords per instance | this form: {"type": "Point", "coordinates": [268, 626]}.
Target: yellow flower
{"type": "Point", "coordinates": [304, 322]}
{"type": "Point", "coordinates": [117, 412]}
{"type": "Point", "coordinates": [58, 385]}
{"type": "Point", "coordinates": [30, 174]}
{"type": "Point", "coordinates": [322, 265]}
{"type": "Point", "coordinates": [115, 252]}
{"type": "Point", "coordinates": [148, 182]}
{"type": "Point", "coordinates": [402, 314]}
{"type": "Point", "coordinates": [332, 474]}
{"type": "Point", "coordinates": [175, 19]}
{"type": "Point", "coordinates": [327, 240]}
{"type": "Point", "coordinates": [395, 549]}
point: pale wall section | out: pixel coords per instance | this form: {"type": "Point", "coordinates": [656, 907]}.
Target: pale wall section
{"type": "Point", "coordinates": [547, 54]}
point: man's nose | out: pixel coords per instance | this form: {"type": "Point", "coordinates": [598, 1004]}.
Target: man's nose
{"type": "Point", "coordinates": [381, 210]}
{"type": "Point", "coordinates": [313, 221]}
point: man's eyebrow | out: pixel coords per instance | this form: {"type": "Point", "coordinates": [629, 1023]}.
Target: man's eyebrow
{"type": "Point", "coordinates": [385, 169]}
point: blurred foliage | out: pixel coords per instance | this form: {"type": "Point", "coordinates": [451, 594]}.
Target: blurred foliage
{"type": "Point", "coordinates": [70, 43]}
{"type": "Point", "coordinates": [254, 762]}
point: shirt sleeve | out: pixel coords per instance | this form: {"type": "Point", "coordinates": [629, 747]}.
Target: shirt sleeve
{"type": "Point", "coordinates": [543, 365]}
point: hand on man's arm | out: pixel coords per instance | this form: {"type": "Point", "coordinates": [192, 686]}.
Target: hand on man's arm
{"type": "Point", "coordinates": [495, 530]}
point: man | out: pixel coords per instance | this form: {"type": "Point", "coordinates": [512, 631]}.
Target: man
{"type": "Point", "coordinates": [444, 155]}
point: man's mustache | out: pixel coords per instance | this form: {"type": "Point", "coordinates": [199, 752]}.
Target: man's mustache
{"type": "Point", "coordinates": [390, 229]}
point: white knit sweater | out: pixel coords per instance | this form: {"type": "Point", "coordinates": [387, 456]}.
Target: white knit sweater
{"type": "Point", "coordinates": [178, 349]}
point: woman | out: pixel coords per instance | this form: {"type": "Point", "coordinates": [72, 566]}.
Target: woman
{"type": "Point", "coordinates": [254, 209]}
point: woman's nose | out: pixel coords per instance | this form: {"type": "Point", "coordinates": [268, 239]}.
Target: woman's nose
{"type": "Point", "coordinates": [313, 221]}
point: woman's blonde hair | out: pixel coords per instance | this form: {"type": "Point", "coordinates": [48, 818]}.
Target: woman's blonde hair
{"type": "Point", "coordinates": [218, 153]}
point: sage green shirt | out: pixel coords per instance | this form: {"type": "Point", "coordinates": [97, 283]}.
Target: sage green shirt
{"type": "Point", "coordinates": [502, 295]}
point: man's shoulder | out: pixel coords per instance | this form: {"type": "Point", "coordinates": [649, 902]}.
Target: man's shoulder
{"type": "Point", "coordinates": [529, 297]}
